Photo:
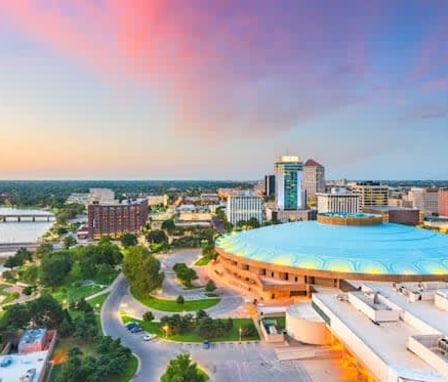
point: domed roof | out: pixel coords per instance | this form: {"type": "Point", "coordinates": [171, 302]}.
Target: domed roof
{"type": "Point", "coordinates": [389, 249]}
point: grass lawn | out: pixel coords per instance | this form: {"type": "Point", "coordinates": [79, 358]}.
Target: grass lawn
{"type": "Point", "coordinates": [98, 300]}
{"type": "Point", "coordinates": [156, 328]}
{"type": "Point", "coordinates": [73, 293]}
{"type": "Point", "coordinates": [173, 306]}
{"type": "Point", "coordinates": [204, 260]}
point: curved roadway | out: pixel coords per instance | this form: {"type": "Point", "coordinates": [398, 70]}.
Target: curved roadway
{"type": "Point", "coordinates": [224, 362]}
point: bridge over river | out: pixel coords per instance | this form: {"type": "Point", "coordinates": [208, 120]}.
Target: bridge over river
{"type": "Point", "coordinates": [26, 217]}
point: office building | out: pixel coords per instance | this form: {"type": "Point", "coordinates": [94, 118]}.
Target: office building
{"type": "Point", "coordinates": [313, 178]}
{"type": "Point", "coordinates": [371, 194]}
{"type": "Point", "coordinates": [339, 200]}
{"type": "Point", "coordinates": [243, 207]}
{"type": "Point", "coordinates": [288, 183]}
{"type": "Point", "coordinates": [425, 199]}
{"type": "Point", "coordinates": [269, 185]}
{"type": "Point", "coordinates": [399, 215]}
{"type": "Point", "coordinates": [443, 202]}
{"type": "Point", "coordinates": [115, 219]}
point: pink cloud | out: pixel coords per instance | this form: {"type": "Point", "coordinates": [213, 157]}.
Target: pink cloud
{"type": "Point", "coordinates": [227, 68]}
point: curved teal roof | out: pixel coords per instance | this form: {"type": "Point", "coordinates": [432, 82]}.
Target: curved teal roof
{"type": "Point", "coordinates": [390, 249]}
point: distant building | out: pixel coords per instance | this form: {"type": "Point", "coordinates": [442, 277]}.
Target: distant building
{"type": "Point", "coordinates": [371, 194]}
{"type": "Point", "coordinates": [443, 202]}
{"type": "Point", "coordinates": [425, 199]}
{"type": "Point", "coordinates": [285, 216]}
{"type": "Point", "coordinates": [209, 198]}
{"type": "Point", "coordinates": [101, 195]}
{"type": "Point", "coordinates": [156, 200]}
{"type": "Point", "coordinates": [269, 185]}
{"type": "Point", "coordinates": [400, 215]}
{"type": "Point", "coordinates": [115, 219]}
{"type": "Point", "coordinates": [338, 201]}
{"type": "Point", "coordinates": [313, 178]}
{"type": "Point", "coordinates": [78, 198]}
{"type": "Point", "coordinates": [289, 194]}
{"type": "Point", "coordinates": [244, 206]}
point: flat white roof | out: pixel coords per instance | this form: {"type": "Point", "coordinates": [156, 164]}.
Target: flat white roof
{"type": "Point", "coordinates": [427, 311]}
{"type": "Point", "coordinates": [388, 341]}
{"type": "Point", "coordinates": [20, 365]}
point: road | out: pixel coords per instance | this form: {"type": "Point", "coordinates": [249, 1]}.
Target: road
{"type": "Point", "coordinates": [217, 224]}
{"type": "Point", "coordinates": [225, 362]}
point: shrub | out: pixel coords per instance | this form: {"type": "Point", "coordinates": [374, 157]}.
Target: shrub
{"type": "Point", "coordinates": [27, 291]}
{"type": "Point", "coordinates": [148, 316]}
{"type": "Point", "coordinates": [180, 299]}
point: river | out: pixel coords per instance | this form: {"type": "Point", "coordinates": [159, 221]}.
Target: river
{"type": "Point", "coordinates": [20, 232]}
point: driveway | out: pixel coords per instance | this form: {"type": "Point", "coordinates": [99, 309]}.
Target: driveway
{"type": "Point", "coordinates": [224, 362]}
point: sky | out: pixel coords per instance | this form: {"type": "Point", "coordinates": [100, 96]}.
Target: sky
{"type": "Point", "coordinates": [217, 89]}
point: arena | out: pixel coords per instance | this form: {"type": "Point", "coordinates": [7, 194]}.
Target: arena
{"type": "Point", "coordinates": [287, 260]}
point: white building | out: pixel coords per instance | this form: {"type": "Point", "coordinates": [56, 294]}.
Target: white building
{"type": "Point", "coordinates": [244, 206]}
{"type": "Point", "coordinates": [424, 199]}
{"type": "Point", "coordinates": [338, 201]}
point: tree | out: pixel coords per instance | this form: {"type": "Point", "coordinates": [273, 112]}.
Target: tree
{"type": "Point", "coordinates": [55, 267]}
{"type": "Point", "coordinates": [69, 241]}
{"type": "Point", "coordinates": [157, 236]}
{"type": "Point", "coordinates": [46, 311]}
{"type": "Point", "coordinates": [180, 299]}
{"type": "Point", "coordinates": [23, 255]}
{"type": "Point", "coordinates": [210, 286]}
{"type": "Point", "coordinates": [148, 316]}
{"type": "Point", "coordinates": [142, 270]}
{"type": "Point", "coordinates": [181, 369]}
{"type": "Point", "coordinates": [169, 226]}
{"type": "Point", "coordinates": [128, 240]}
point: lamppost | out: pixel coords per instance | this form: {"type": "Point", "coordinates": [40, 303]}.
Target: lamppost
{"type": "Point", "coordinates": [165, 328]}
{"type": "Point", "coordinates": [241, 331]}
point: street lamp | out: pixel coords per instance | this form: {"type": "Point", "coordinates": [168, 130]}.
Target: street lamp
{"type": "Point", "coordinates": [165, 328]}
{"type": "Point", "coordinates": [241, 331]}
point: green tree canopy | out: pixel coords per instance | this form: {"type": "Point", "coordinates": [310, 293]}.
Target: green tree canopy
{"type": "Point", "coordinates": [157, 236]}
{"type": "Point", "coordinates": [55, 267]}
{"type": "Point", "coordinates": [142, 270]}
{"type": "Point", "coordinates": [182, 369]}
{"type": "Point", "coordinates": [128, 240]}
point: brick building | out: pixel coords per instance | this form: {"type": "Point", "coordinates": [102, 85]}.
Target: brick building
{"type": "Point", "coordinates": [116, 218]}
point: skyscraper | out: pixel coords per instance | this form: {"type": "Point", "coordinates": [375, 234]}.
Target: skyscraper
{"type": "Point", "coordinates": [313, 178]}
{"type": "Point", "coordinates": [288, 183]}
{"type": "Point", "coordinates": [269, 185]}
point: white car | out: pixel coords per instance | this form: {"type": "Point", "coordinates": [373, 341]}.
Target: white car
{"type": "Point", "coordinates": [149, 336]}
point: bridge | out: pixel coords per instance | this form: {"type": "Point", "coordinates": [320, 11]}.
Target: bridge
{"type": "Point", "coordinates": [31, 217]}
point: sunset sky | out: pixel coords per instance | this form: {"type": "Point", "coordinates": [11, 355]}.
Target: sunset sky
{"type": "Point", "coordinates": [216, 89]}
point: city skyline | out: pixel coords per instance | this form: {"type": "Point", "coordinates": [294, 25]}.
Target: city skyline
{"type": "Point", "coordinates": [218, 90]}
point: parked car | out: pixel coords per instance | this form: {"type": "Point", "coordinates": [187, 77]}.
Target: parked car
{"type": "Point", "coordinates": [206, 344]}
{"type": "Point", "coordinates": [131, 325]}
{"type": "Point", "coordinates": [136, 329]}
{"type": "Point", "coordinates": [149, 336]}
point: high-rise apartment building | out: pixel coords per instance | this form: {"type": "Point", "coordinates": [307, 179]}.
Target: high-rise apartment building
{"type": "Point", "coordinates": [269, 185]}
{"type": "Point", "coordinates": [371, 194]}
{"type": "Point", "coordinates": [443, 202]}
{"type": "Point", "coordinates": [115, 219]}
{"type": "Point", "coordinates": [244, 206]}
{"type": "Point", "coordinates": [338, 201]}
{"type": "Point", "coordinates": [425, 199]}
{"type": "Point", "coordinates": [289, 194]}
{"type": "Point", "coordinates": [313, 178]}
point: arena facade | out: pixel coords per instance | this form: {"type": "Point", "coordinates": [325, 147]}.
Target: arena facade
{"type": "Point", "coordinates": [286, 260]}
